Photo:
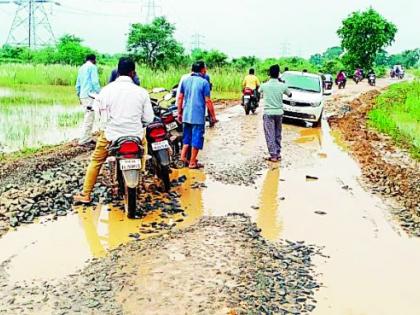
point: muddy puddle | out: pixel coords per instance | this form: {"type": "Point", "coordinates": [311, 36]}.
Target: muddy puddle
{"type": "Point", "coordinates": [313, 196]}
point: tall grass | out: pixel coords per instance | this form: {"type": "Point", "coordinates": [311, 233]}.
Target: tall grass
{"type": "Point", "coordinates": [223, 79]}
{"type": "Point", "coordinates": [398, 114]}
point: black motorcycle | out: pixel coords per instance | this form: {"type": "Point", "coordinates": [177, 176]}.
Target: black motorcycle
{"type": "Point", "coordinates": [372, 79]}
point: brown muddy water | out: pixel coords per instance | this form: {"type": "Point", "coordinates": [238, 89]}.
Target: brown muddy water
{"type": "Point", "coordinates": [372, 267]}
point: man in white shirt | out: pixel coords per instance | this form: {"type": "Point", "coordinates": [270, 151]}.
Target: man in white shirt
{"type": "Point", "coordinates": [125, 107]}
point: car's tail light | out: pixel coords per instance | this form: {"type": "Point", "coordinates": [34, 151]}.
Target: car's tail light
{"type": "Point", "coordinates": [129, 147]}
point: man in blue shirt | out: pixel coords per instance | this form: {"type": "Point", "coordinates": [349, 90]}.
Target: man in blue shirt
{"type": "Point", "coordinates": [193, 99]}
{"type": "Point", "coordinates": [87, 83]}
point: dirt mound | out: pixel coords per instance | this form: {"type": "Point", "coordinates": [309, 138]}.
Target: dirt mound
{"type": "Point", "coordinates": [221, 265]}
{"type": "Point", "coordinates": [389, 170]}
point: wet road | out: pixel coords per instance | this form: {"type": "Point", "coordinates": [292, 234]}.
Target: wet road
{"type": "Point", "coordinates": [372, 264]}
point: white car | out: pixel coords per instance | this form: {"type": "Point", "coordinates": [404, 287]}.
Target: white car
{"type": "Point", "coordinates": [307, 100]}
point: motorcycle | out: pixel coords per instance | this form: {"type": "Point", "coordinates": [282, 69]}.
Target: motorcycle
{"type": "Point", "coordinates": [169, 117]}
{"type": "Point", "coordinates": [341, 84]}
{"type": "Point", "coordinates": [372, 79]}
{"type": "Point", "coordinates": [357, 78]}
{"type": "Point", "coordinates": [159, 151]}
{"type": "Point", "coordinates": [250, 102]}
{"type": "Point", "coordinates": [124, 170]}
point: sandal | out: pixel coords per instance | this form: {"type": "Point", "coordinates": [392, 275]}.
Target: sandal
{"type": "Point", "coordinates": [82, 199]}
{"type": "Point", "coordinates": [271, 159]}
{"type": "Point", "coordinates": [196, 166]}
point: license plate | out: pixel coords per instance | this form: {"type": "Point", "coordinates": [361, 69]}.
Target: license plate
{"type": "Point", "coordinates": [130, 164]}
{"type": "Point", "coordinates": [156, 146]}
{"type": "Point", "coordinates": [247, 96]}
{"type": "Point", "coordinates": [171, 126]}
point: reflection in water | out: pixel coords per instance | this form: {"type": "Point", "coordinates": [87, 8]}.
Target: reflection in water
{"type": "Point", "coordinates": [191, 200]}
{"type": "Point", "coordinates": [269, 207]}
{"type": "Point", "coordinates": [310, 135]}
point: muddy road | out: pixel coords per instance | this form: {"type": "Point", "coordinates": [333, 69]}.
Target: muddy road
{"type": "Point", "coordinates": [345, 253]}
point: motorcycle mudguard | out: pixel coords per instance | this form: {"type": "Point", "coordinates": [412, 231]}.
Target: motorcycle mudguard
{"type": "Point", "coordinates": [131, 178]}
{"type": "Point", "coordinates": [163, 157]}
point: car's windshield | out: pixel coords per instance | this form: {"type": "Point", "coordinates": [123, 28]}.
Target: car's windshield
{"type": "Point", "coordinates": [302, 82]}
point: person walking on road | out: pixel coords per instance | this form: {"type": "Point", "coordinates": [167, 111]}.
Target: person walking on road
{"type": "Point", "coordinates": [126, 107]}
{"type": "Point", "coordinates": [194, 97]}
{"type": "Point", "coordinates": [272, 92]}
{"type": "Point", "coordinates": [87, 82]}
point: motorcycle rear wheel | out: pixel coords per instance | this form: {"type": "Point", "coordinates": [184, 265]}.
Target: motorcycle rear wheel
{"type": "Point", "coordinates": [131, 202]}
{"type": "Point", "coordinates": [164, 176]}
{"type": "Point", "coordinates": [247, 106]}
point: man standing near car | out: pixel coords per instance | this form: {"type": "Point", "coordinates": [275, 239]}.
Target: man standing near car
{"type": "Point", "coordinates": [273, 91]}
{"type": "Point", "coordinates": [87, 82]}
{"type": "Point", "coordinates": [194, 97]}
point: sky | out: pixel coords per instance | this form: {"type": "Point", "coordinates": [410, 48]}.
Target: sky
{"type": "Point", "coordinates": [264, 28]}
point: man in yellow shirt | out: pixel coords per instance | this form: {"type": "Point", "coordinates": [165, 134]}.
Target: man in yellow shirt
{"type": "Point", "coordinates": [251, 81]}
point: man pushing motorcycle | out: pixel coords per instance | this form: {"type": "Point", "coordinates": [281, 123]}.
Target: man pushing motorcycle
{"type": "Point", "coordinates": [126, 107]}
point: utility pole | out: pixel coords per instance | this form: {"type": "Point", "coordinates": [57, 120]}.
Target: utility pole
{"type": "Point", "coordinates": [196, 41]}
{"type": "Point", "coordinates": [30, 26]}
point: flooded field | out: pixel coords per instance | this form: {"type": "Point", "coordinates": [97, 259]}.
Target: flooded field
{"type": "Point", "coordinates": [32, 126]}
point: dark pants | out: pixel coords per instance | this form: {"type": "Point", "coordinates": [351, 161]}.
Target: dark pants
{"type": "Point", "coordinates": [272, 131]}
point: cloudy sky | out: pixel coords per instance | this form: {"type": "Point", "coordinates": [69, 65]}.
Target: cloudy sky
{"type": "Point", "coordinates": [263, 28]}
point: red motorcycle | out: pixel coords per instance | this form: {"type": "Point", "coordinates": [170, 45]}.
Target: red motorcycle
{"type": "Point", "coordinates": [249, 101]}
{"type": "Point", "coordinates": [124, 170]}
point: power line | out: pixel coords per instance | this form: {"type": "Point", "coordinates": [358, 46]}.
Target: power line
{"type": "Point", "coordinates": [30, 26]}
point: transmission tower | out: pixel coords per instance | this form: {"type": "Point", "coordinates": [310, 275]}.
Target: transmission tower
{"type": "Point", "coordinates": [151, 9]}
{"type": "Point", "coordinates": [30, 26]}
{"type": "Point", "coordinates": [196, 41]}
{"type": "Point", "coordinates": [285, 49]}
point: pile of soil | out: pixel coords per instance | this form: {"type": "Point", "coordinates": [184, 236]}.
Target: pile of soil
{"type": "Point", "coordinates": [389, 170]}
{"type": "Point", "coordinates": [220, 265]}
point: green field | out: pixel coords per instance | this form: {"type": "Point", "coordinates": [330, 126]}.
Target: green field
{"type": "Point", "coordinates": [54, 84]}
{"type": "Point", "coordinates": [397, 114]}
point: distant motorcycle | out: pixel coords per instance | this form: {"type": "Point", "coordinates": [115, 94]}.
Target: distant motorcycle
{"type": "Point", "coordinates": [372, 79]}
{"type": "Point", "coordinates": [357, 78]}
{"type": "Point", "coordinates": [341, 84]}
{"type": "Point", "coordinates": [250, 101]}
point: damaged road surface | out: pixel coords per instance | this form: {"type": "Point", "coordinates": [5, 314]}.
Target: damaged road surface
{"type": "Point", "coordinates": [308, 236]}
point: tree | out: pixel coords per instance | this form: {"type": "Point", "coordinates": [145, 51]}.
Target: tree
{"type": "Point", "coordinates": [154, 44]}
{"type": "Point", "coordinates": [245, 62]}
{"type": "Point", "coordinates": [363, 35]}
{"type": "Point", "coordinates": [71, 51]}
{"type": "Point", "coordinates": [213, 58]}
{"type": "Point", "coordinates": [332, 53]}
{"type": "Point", "coordinates": [316, 59]}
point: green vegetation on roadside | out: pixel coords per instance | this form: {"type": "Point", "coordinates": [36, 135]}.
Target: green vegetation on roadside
{"type": "Point", "coordinates": [397, 114]}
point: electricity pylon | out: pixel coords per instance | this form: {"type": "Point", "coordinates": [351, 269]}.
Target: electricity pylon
{"type": "Point", "coordinates": [31, 26]}
{"type": "Point", "coordinates": [151, 9]}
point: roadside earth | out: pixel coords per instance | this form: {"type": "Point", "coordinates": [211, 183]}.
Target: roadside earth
{"type": "Point", "coordinates": [387, 170]}
{"type": "Point", "coordinates": [220, 265]}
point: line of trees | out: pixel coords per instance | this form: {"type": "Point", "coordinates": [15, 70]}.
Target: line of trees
{"type": "Point", "coordinates": [364, 37]}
